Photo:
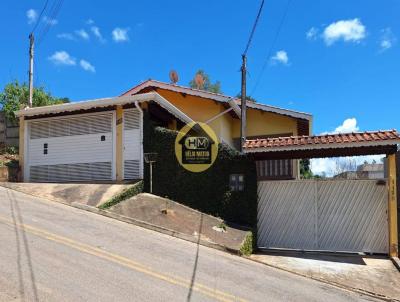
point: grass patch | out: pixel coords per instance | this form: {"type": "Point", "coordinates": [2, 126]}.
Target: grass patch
{"type": "Point", "coordinates": [247, 245]}
{"type": "Point", "coordinates": [128, 193]}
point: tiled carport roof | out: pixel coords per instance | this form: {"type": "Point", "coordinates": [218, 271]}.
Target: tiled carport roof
{"type": "Point", "coordinates": [327, 141]}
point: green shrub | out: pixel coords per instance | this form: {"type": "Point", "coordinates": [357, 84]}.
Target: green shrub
{"type": "Point", "coordinates": [12, 163]}
{"type": "Point", "coordinates": [208, 191]}
{"type": "Point", "coordinates": [12, 150]}
{"type": "Point", "coordinates": [247, 245]}
{"type": "Point", "coordinates": [128, 193]}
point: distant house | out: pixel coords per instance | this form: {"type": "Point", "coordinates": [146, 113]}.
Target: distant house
{"type": "Point", "coordinates": [364, 171]}
{"type": "Point", "coordinates": [371, 171]}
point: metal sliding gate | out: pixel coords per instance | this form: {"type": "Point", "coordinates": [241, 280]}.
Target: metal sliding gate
{"type": "Point", "coordinates": [325, 215]}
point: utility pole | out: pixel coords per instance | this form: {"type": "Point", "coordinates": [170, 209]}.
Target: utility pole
{"type": "Point", "coordinates": [243, 105]}
{"type": "Point", "coordinates": [31, 44]}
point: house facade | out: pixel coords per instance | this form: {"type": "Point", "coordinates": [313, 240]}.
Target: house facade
{"type": "Point", "coordinates": [101, 140]}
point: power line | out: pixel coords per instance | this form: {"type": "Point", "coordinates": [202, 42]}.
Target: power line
{"type": "Point", "coordinates": [254, 28]}
{"type": "Point", "coordinates": [243, 114]}
{"type": "Point", "coordinates": [40, 16]}
{"type": "Point", "coordinates": [52, 16]}
{"type": "Point", "coordinates": [272, 47]}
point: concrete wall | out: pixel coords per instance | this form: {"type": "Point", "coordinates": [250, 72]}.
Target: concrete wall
{"type": "Point", "coordinates": [9, 132]}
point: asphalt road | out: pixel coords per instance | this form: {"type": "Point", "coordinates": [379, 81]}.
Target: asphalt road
{"type": "Point", "coordinates": [53, 252]}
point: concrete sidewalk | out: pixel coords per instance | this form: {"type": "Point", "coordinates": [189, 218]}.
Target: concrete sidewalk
{"type": "Point", "coordinates": [375, 275]}
{"type": "Point", "coordinates": [89, 194]}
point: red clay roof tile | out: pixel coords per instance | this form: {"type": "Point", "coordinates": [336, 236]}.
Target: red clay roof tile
{"type": "Point", "coordinates": [341, 138]}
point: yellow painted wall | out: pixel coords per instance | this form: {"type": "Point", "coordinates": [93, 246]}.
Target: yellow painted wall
{"type": "Point", "coordinates": [265, 123]}
{"type": "Point", "coordinates": [392, 206]}
{"type": "Point", "coordinates": [201, 110]}
{"type": "Point", "coordinates": [259, 123]}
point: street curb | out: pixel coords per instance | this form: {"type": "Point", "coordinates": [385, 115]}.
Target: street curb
{"type": "Point", "coordinates": [335, 284]}
{"type": "Point", "coordinates": [156, 228]}
{"type": "Point", "coordinates": [396, 262]}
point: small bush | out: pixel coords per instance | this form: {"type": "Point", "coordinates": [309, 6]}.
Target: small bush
{"type": "Point", "coordinates": [247, 246]}
{"type": "Point", "coordinates": [11, 150]}
{"type": "Point", "coordinates": [12, 163]}
{"type": "Point", "coordinates": [128, 193]}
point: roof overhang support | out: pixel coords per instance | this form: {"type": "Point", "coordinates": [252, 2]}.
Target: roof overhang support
{"type": "Point", "coordinates": [235, 107]}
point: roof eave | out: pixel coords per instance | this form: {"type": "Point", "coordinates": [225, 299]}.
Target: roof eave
{"type": "Point", "coordinates": [101, 103]}
{"type": "Point", "coordinates": [393, 142]}
{"type": "Point", "coordinates": [217, 97]}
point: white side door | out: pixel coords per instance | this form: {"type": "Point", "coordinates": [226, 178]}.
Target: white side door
{"type": "Point", "coordinates": [133, 145]}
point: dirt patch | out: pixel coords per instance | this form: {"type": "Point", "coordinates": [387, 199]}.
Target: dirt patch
{"type": "Point", "coordinates": [179, 218]}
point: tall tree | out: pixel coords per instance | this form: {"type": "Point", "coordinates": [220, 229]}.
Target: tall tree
{"type": "Point", "coordinates": [248, 98]}
{"type": "Point", "coordinates": [207, 85]}
{"type": "Point", "coordinates": [305, 169]}
{"type": "Point", "coordinates": [15, 95]}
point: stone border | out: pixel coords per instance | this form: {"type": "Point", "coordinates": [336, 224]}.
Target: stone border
{"type": "Point", "coordinates": [396, 262]}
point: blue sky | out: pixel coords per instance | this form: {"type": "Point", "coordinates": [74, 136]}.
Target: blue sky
{"type": "Point", "coordinates": [338, 60]}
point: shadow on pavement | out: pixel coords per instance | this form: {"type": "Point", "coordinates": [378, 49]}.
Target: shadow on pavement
{"type": "Point", "coordinates": [19, 228]}
{"type": "Point", "coordinates": [338, 258]}
{"type": "Point", "coordinates": [192, 280]}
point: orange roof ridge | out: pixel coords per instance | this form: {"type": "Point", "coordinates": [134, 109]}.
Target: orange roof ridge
{"type": "Point", "coordinates": [333, 138]}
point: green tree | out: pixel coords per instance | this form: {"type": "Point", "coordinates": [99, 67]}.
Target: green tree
{"type": "Point", "coordinates": [15, 95]}
{"type": "Point", "coordinates": [305, 170]}
{"type": "Point", "coordinates": [248, 98]}
{"type": "Point", "coordinates": [207, 85]}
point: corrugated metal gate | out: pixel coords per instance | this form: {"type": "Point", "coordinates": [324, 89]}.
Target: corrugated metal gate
{"type": "Point", "coordinates": [70, 148]}
{"type": "Point", "coordinates": [331, 215]}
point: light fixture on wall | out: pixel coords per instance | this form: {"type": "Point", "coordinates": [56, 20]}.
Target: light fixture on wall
{"type": "Point", "coordinates": [150, 158]}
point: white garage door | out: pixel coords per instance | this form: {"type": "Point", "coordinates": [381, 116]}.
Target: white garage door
{"type": "Point", "coordinates": [133, 144]}
{"type": "Point", "coordinates": [332, 215]}
{"type": "Point", "coordinates": [67, 149]}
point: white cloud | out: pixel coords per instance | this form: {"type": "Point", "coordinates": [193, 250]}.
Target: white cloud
{"type": "Point", "coordinates": [329, 166]}
{"type": "Point", "coordinates": [87, 66]}
{"type": "Point", "coordinates": [120, 34]}
{"type": "Point", "coordinates": [349, 125]}
{"type": "Point", "coordinates": [312, 33]}
{"type": "Point", "coordinates": [66, 36]}
{"type": "Point", "coordinates": [49, 21]}
{"type": "Point", "coordinates": [32, 15]}
{"type": "Point", "coordinates": [96, 31]}
{"type": "Point", "coordinates": [388, 39]}
{"type": "Point", "coordinates": [82, 33]}
{"type": "Point", "coordinates": [89, 21]}
{"type": "Point", "coordinates": [346, 30]}
{"type": "Point", "coordinates": [280, 57]}
{"type": "Point", "coordinates": [62, 58]}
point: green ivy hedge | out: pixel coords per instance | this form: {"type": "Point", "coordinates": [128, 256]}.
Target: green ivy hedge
{"type": "Point", "coordinates": [207, 191]}
{"type": "Point", "coordinates": [136, 189]}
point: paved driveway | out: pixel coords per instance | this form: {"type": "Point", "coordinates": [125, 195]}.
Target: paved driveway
{"type": "Point", "coordinates": [52, 252]}
{"type": "Point", "coordinates": [367, 273]}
